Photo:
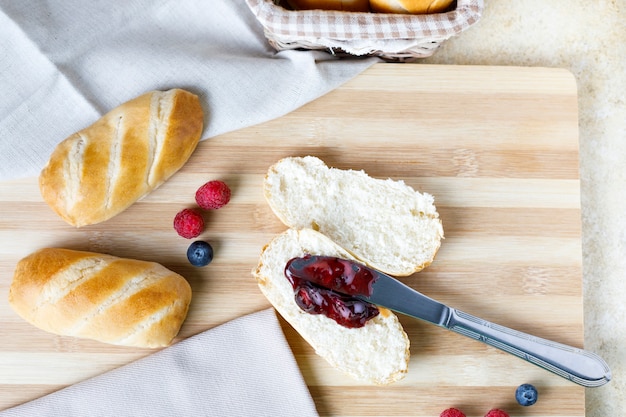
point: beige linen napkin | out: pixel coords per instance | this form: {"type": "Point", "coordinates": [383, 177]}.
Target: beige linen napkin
{"type": "Point", "coordinates": [241, 368]}
{"type": "Point", "coordinates": [64, 64]}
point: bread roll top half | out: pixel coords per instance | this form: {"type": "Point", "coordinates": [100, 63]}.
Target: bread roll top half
{"type": "Point", "coordinates": [376, 353]}
{"type": "Point", "coordinates": [101, 297]}
{"type": "Point", "coordinates": [384, 222]}
{"type": "Point", "coordinates": [101, 170]}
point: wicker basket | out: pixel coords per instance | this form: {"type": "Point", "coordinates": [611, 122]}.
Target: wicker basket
{"type": "Point", "coordinates": [393, 37]}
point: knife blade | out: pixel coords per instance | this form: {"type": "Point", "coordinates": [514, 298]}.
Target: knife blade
{"type": "Point", "coordinates": [577, 365]}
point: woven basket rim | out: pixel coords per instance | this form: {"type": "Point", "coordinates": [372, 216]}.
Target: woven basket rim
{"type": "Point", "coordinates": [337, 24]}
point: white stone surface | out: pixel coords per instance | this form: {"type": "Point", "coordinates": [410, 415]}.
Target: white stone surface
{"type": "Point", "coordinates": [589, 39]}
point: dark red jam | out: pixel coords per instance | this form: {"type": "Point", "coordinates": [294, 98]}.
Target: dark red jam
{"type": "Point", "coordinates": [326, 284]}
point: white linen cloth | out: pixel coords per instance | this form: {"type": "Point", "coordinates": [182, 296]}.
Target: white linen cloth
{"type": "Point", "coordinates": [240, 369]}
{"type": "Point", "coordinates": [64, 64]}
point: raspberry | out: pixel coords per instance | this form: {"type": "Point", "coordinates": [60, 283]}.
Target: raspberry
{"type": "Point", "coordinates": [213, 195]}
{"type": "Point", "coordinates": [496, 413]}
{"type": "Point", "coordinates": [452, 412]}
{"type": "Point", "coordinates": [188, 223]}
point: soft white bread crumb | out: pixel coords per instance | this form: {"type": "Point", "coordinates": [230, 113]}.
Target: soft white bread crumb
{"type": "Point", "coordinates": [382, 221]}
{"type": "Point", "coordinates": [377, 353]}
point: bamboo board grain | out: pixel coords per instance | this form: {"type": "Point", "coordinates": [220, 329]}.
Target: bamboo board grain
{"type": "Point", "coordinates": [496, 146]}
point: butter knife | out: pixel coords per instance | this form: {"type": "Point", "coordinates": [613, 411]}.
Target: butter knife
{"type": "Point", "coordinates": [577, 365]}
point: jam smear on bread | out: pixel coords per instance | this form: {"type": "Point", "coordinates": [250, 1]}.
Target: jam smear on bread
{"type": "Point", "coordinates": [326, 285]}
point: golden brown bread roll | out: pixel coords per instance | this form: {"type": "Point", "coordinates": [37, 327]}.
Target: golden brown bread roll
{"type": "Point", "coordinates": [101, 297]}
{"type": "Point", "coordinates": [101, 170]}
{"type": "Point", "coordinates": [410, 6]}
{"type": "Point", "coordinates": [345, 5]}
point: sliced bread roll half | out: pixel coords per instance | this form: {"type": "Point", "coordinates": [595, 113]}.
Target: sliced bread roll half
{"type": "Point", "coordinates": [385, 222]}
{"type": "Point", "coordinates": [376, 353]}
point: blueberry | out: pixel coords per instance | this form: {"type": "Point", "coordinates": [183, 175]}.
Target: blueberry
{"type": "Point", "coordinates": [200, 253]}
{"type": "Point", "coordinates": [526, 395]}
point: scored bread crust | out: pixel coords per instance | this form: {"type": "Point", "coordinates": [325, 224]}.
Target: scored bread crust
{"type": "Point", "coordinates": [376, 353]}
{"type": "Point", "coordinates": [102, 297]}
{"type": "Point", "coordinates": [410, 6]}
{"type": "Point", "coordinates": [100, 171]}
{"type": "Point", "coordinates": [384, 222]}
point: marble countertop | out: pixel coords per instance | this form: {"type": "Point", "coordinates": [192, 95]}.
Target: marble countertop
{"type": "Point", "coordinates": [589, 39]}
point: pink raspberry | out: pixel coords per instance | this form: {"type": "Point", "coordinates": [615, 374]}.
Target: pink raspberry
{"type": "Point", "coordinates": [496, 413]}
{"type": "Point", "coordinates": [213, 195]}
{"type": "Point", "coordinates": [188, 223]}
{"type": "Point", "coordinates": [452, 412]}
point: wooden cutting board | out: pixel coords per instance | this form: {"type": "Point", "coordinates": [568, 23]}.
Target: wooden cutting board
{"type": "Point", "coordinates": [496, 146]}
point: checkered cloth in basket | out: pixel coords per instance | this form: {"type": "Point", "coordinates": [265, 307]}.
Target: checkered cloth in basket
{"type": "Point", "coordinates": [389, 36]}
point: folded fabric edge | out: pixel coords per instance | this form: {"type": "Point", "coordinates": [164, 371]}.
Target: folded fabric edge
{"type": "Point", "coordinates": [103, 394]}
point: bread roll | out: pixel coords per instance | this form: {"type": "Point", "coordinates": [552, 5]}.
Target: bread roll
{"type": "Point", "coordinates": [100, 171]}
{"type": "Point", "coordinates": [345, 5]}
{"type": "Point", "coordinates": [386, 223]}
{"type": "Point", "coordinates": [376, 353]}
{"type": "Point", "coordinates": [101, 297]}
{"type": "Point", "coordinates": [410, 6]}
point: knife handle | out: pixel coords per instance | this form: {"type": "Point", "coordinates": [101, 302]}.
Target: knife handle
{"type": "Point", "coordinates": [577, 365]}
